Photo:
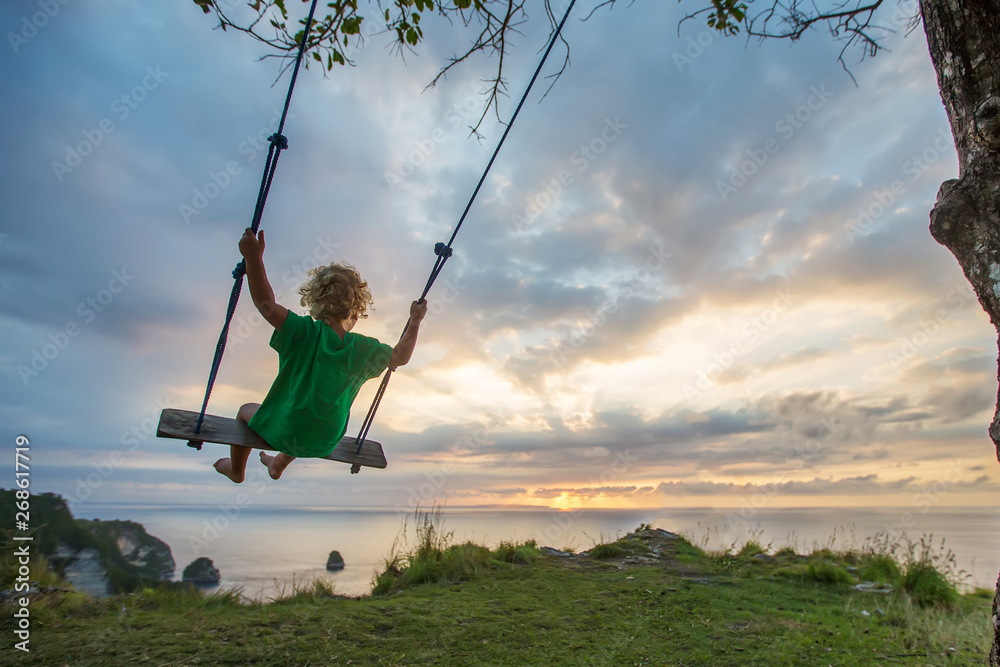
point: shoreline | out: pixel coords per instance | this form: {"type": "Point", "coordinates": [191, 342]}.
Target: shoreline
{"type": "Point", "coordinates": [239, 556]}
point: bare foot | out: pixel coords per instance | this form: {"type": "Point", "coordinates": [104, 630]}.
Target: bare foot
{"type": "Point", "coordinates": [225, 466]}
{"type": "Point", "coordinates": [274, 467]}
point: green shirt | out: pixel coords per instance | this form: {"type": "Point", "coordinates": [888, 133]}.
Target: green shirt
{"type": "Point", "coordinates": [306, 410]}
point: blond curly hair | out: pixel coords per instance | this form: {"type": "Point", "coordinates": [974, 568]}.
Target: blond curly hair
{"type": "Point", "coordinates": [336, 292]}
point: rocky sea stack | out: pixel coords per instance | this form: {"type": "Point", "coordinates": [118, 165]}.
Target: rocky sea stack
{"type": "Point", "coordinates": [201, 572]}
{"type": "Point", "coordinates": [335, 561]}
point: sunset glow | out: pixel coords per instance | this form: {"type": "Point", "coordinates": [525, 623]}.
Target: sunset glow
{"type": "Point", "coordinates": [653, 320]}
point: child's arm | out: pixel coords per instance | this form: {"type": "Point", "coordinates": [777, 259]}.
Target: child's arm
{"type": "Point", "coordinates": [252, 249]}
{"type": "Point", "coordinates": [404, 348]}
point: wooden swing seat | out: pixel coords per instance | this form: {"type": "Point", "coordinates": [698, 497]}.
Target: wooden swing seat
{"type": "Point", "coordinates": [180, 424]}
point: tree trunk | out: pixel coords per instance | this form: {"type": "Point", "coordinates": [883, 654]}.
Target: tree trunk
{"type": "Point", "coordinates": [963, 37]}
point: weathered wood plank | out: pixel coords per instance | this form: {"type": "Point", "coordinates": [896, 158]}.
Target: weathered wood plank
{"type": "Point", "coordinates": [179, 425]}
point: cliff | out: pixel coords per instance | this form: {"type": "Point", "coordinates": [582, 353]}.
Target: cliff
{"type": "Point", "coordinates": [98, 557]}
{"type": "Point", "coordinates": [141, 553]}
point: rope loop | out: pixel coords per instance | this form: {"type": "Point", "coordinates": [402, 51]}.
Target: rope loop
{"type": "Point", "coordinates": [279, 139]}
{"type": "Point", "coordinates": [442, 250]}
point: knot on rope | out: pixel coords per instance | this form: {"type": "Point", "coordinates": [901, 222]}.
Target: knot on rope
{"type": "Point", "coordinates": [279, 139]}
{"type": "Point", "coordinates": [240, 269]}
{"type": "Point", "coordinates": [442, 250]}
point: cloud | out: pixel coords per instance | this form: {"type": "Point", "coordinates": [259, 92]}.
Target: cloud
{"type": "Point", "coordinates": [960, 383]}
{"type": "Point", "coordinates": [614, 332]}
{"type": "Point", "coordinates": [744, 369]}
{"type": "Point", "coordinates": [862, 485]}
{"type": "Point", "coordinates": [575, 326]}
{"type": "Point", "coordinates": [953, 406]}
{"type": "Point", "coordinates": [593, 492]}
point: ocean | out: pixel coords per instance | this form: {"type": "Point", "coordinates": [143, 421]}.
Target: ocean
{"type": "Point", "coordinates": [268, 551]}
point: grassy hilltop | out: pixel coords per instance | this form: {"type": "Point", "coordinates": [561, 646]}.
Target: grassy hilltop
{"type": "Point", "coordinates": [650, 597]}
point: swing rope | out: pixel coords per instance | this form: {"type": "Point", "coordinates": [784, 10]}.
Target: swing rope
{"type": "Point", "coordinates": [444, 250]}
{"type": "Point", "coordinates": [278, 143]}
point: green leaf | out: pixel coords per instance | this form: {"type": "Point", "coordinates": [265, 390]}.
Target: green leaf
{"type": "Point", "coordinates": [280, 4]}
{"type": "Point", "coordinates": [338, 57]}
{"type": "Point", "coordinates": [351, 25]}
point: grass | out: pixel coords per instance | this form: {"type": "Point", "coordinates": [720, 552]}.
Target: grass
{"type": "Point", "coordinates": [931, 576]}
{"type": "Point", "coordinates": [828, 573]}
{"type": "Point", "coordinates": [928, 587]}
{"type": "Point", "coordinates": [456, 605]}
{"type": "Point", "coordinates": [607, 550]}
{"type": "Point", "coordinates": [432, 558]}
{"type": "Point", "coordinates": [880, 568]}
{"type": "Point", "coordinates": [751, 549]}
{"type": "Point", "coordinates": [521, 554]}
{"type": "Point", "coordinates": [688, 551]}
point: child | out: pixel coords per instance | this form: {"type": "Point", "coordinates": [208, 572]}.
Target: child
{"type": "Point", "coordinates": [321, 364]}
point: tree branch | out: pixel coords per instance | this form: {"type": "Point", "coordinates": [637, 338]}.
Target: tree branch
{"type": "Point", "coordinates": [335, 35]}
{"type": "Point", "coordinates": [849, 22]}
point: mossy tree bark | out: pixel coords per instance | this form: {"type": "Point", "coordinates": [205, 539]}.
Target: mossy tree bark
{"type": "Point", "coordinates": [963, 37]}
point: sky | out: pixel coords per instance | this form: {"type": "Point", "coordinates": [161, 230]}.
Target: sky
{"type": "Point", "coordinates": [699, 274]}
